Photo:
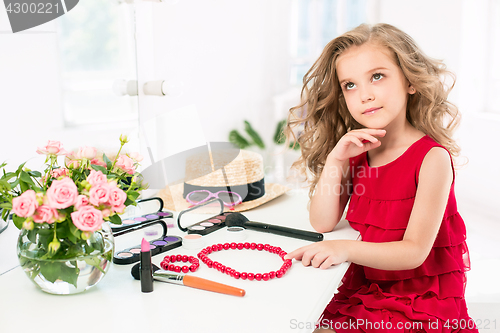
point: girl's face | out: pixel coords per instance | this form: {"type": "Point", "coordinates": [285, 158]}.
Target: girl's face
{"type": "Point", "coordinates": [374, 86]}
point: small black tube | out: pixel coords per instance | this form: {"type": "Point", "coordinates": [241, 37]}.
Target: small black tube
{"type": "Point", "coordinates": [146, 272]}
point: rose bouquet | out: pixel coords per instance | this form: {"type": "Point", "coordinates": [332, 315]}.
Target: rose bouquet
{"type": "Point", "coordinates": [63, 206]}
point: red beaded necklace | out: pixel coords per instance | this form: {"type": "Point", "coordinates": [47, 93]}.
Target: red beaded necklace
{"type": "Point", "coordinates": [287, 263]}
{"type": "Point", "coordinates": [167, 265]}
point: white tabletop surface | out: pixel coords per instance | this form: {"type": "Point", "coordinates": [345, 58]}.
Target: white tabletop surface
{"type": "Point", "coordinates": [290, 304]}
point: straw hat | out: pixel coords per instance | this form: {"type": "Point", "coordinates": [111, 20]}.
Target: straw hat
{"type": "Point", "coordinates": [243, 175]}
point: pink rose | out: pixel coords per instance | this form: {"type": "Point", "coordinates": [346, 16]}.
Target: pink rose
{"type": "Point", "coordinates": [99, 194]}
{"type": "Point", "coordinates": [96, 177]}
{"type": "Point", "coordinates": [61, 172]}
{"type": "Point", "coordinates": [86, 152]}
{"type": "Point", "coordinates": [136, 156]}
{"type": "Point", "coordinates": [25, 204]}
{"type": "Point", "coordinates": [81, 201]}
{"type": "Point", "coordinates": [45, 213]}
{"type": "Point", "coordinates": [106, 212]}
{"type": "Point", "coordinates": [71, 162]}
{"type": "Point", "coordinates": [52, 148]}
{"type": "Point", "coordinates": [98, 161]}
{"type": "Point", "coordinates": [118, 209]}
{"type": "Point", "coordinates": [87, 218]}
{"type": "Point", "coordinates": [117, 198]}
{"type": "Point", "coordinates": [126, 164]}
{"type": "Point", "coordinates": [62, 193]}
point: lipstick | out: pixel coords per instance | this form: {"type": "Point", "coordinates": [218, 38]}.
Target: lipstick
{"type": "Point", "coordinates": [146, 268]}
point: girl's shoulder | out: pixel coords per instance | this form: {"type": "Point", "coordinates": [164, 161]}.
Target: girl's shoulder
{"type": "Point", "coordinates": [435, 157]}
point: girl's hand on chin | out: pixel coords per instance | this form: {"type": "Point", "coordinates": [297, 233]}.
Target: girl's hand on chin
{"type": "Point", "coordinates": [356, 142]}
{"type": "Point", "coordinates": [321, 254]}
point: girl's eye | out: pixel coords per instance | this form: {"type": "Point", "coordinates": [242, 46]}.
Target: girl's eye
{"type": "Point", "coordinates": [349, 85]}
{"type": "Point", "coordinates": [377, 76]}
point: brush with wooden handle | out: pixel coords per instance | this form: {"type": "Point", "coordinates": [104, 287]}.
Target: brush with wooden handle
{"type": "Point", "coordinates": [190, 281]}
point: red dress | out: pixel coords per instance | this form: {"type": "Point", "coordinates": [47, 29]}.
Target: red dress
{"type": "Point", "coordinates": [429, 298]}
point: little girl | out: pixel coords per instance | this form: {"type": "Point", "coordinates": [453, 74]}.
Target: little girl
{"type": "Point", "coordinates": [378, 131]}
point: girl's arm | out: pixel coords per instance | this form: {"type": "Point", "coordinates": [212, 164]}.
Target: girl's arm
{"type": "Point", "coordinates": [332, 191]}
{"type": "Point", "coordinates": [435, 179]}
{"type": "Point", "coordinates": [330, 196]}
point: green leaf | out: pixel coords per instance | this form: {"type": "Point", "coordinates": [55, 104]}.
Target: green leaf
{"type": "Point", "coordinates": [133, 195]}
{"type": "Point", "coordinates": [239, 141]}
{"type": "Point", "coordinates": [4, 185]}
{"type": "Point", "coordinates": [35, 173]}
{"type": "Point", "coordinates": [32, 235]}
{"type": "Point", "coordinates": [50, 270]}
{"type": "Point", "coordinates": [279, 135]}
{"type": "Point", "coordinates": [74, 230]}
{"type": "Point", "coordinates": [72, 238]}
{"type": "Point", "coordinates": [6, 205]}
{"type": "Point", "coordinates": [46, 232]}
{"type": "Point", "coordinates": [45, 237]}
{"type": "Point", "coordinates": [9, 175]}
{"type": "Point", "coordinates": [24, 186]}
{"type": "Point", "coordinates": [54, 270]}
{"type": "Point", "coordinates": [74, 233]}
{"type": "Point", "coordinates": [18, 221]}
{"type": "Point", "coordinates": [99, 168]}
{"type": "Point", "coordinates": [107, 161]}
{"type": "Point", "coordinates": [94, 261]}
{"type": "Point", "coordinates": [129, 202]}
{"type": "Point", "coordinates": [5, 214]}
{"type": "Point", "coordinates": [26, 178]}
{"type": "Point", "coordinates": [254, 135]}
{"type": "Point", "coordinates": [33, 265]}
{"type": "Point", "coordinates": [294, 147]}
{"type": "Point", "coordinates": [14, 183]}
{"type": "Point", "coordinates": [115, 219]}
{"type": "Point", "coordinates": [20, 168]}
{"type": "Point", "coordinates": [63, 230]}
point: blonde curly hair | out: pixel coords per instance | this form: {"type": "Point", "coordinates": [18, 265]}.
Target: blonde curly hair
{"type": "Point", "coordinates": [323, 111]}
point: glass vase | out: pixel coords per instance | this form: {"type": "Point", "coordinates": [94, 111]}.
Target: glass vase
{"type": "Point", "coordinates": [61, 274]}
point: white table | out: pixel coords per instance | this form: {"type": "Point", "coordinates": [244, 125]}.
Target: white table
{"type": "Point", "coordinates": [116, 304]}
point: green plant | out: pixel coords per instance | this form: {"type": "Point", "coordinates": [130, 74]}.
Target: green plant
{"type": "Point", "coordinates": [241, 142]}
{"type": "Point", "coordinates": [255, 139]}
{"type": "Point", "coordinates": [279, 136]}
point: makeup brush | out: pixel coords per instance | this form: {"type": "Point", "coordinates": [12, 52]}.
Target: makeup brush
{"type": "Point", "coordinates": [238, 219]}
{"type": "Point", "coordinates": [190, 281]}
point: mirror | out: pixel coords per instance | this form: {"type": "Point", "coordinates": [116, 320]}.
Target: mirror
{"type": "Point", "coordinates": [57, 80]}
{"type": "Point", "coordinates": [97, 62]}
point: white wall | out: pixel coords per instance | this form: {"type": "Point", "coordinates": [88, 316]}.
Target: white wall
{"type": "Point", "coordinates": [230, 57]}
{"type": "Point", "coordinates": [31, 101]}
{"type": "Point", "coordinates": [29, 90]}
{"type": "Point", "coordinates": [456, 32]}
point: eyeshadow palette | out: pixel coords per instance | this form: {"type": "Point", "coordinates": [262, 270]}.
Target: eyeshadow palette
{"type": "Point", "coordinates": [132, 254]}
{"type": "Point", "coordinates": [132, 222]}
{"type": "Point", "coordinates": [209, 225]}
